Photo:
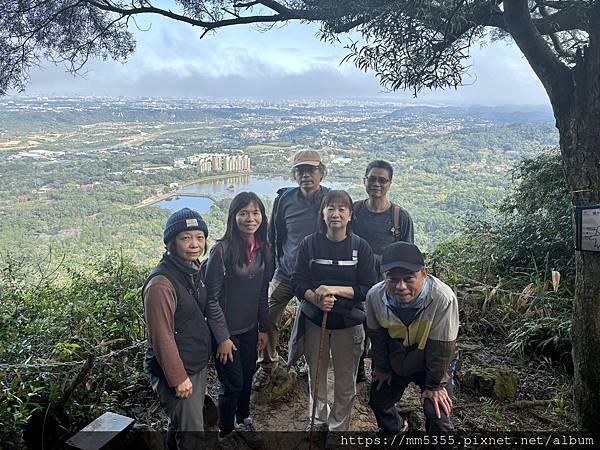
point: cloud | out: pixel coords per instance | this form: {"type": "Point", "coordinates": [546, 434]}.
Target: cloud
{"type": "Point", "coordinates": [171, 60]}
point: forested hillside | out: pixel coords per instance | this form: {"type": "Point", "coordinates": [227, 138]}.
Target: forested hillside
{"type": "Point", "coordinates": [72, 169]}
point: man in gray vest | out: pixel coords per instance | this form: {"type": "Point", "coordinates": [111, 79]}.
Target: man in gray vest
{"type": "Point", "coordinates": [412, 319]}
{"type": "Point", "coordinates": [294, 216]}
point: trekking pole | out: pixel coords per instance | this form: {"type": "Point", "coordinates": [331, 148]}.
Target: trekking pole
{"type": "Point", "coordinates": [316, 384]}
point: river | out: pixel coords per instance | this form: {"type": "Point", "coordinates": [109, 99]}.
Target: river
{"type": "Point", "coordinates": [263, 185]}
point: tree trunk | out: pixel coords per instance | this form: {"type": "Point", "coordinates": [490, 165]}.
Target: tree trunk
{"type": "Point", "coordinates": [580, 147]}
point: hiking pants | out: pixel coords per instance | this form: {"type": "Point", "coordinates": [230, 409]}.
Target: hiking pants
{"type": "Point", "coordinates": [280, 294]}
{"type": "Point", "coordinates": [236, 381]}
{"type": "Point", "coordinates": [383, 403]}
{"type": "Point", "coordinates": [186, 421]}
{"type": "Point", "coordinates": [345, 346]}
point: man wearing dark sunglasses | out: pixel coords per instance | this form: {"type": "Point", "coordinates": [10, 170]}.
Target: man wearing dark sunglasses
{"type": "Point", "coordinates": [379, 222]}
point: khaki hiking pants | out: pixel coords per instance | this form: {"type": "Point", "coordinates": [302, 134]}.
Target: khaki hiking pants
{"type": "Point", "coordinates": [345, 346]}
{"type": "Point", "coordinates": [280, 294]}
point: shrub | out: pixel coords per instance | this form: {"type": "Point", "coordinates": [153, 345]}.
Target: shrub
{"type": "Point", "coordinates": [49, 320]}
{"type": "Point", "coordinates": [504, 259]}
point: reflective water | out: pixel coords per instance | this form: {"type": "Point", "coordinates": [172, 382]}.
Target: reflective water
{"type": "Point", "coordinates": [262, 185]}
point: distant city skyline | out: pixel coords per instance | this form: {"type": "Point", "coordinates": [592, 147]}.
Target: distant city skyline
{"type": "Point", "coordinates": [285, 62]}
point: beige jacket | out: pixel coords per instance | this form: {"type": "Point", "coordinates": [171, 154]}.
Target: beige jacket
{"type": "Point", "coordinates": [427, 344]}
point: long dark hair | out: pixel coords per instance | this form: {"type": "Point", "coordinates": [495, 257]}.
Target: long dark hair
{"type": "Point", "coordinates": [233, 238]}
{"type": "Point", "coordinates": [332, 197]}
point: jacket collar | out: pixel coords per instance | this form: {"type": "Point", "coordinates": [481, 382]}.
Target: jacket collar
{"type": "Point", "coordinates": [189, 268]}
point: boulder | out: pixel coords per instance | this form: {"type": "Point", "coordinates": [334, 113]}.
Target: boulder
{"type": "Point", "coordinates": [496, 383]}
{"type": "Point", "coordinates": [283, 380]}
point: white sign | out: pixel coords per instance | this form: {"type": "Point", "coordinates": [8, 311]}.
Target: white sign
{"type": "Point", "coordinates": [590, 229]}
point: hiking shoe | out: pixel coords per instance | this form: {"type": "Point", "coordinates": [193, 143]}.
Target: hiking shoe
{"type": "Point", "coordinates": [229, 442]}
{"type": "Point", "coordinates": [262, 378]}
{"type": "Point", "coordinates": [404, 429]}
{"type": "Point", "coordinates": [318, 430]}
{"type": "Point", "coordinates": [404, 426]}
{"type": "Point", "coordinates": [248, 433]}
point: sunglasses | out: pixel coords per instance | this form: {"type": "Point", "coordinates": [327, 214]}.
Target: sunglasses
{"type": "Point", "coordinates": [373, 179]}
{"type": "Point", "coordinates": [305, 169]}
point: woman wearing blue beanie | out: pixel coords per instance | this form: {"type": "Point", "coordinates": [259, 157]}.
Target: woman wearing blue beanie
{"type": "Point", "coordinates": [178, 315]}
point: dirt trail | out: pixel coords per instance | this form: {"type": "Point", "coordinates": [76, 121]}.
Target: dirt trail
{"type": "Point", "coordinates": [471, 412]}
{"type": "Point", "coordinates": [290, 413]}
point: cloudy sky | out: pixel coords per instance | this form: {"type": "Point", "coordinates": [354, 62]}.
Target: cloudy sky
{"type": "Point", "coordinates": [284, 62]}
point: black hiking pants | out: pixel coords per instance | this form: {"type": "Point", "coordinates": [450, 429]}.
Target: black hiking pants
{"type": "Point", "coordinates": [235, 378]}
{"type": "Point", "coordinates": [383, 403]}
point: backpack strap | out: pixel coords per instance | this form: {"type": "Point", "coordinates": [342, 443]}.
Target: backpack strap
{"type": "Point", "coordinates": [396, 221]}
{"type": "Point", "coordinates": [395, 211]}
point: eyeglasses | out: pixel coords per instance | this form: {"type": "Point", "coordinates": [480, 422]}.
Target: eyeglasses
{"type": "Point", "coordinates": [305, 169]}
{"type": "Point", "coordinates": [373, 179]}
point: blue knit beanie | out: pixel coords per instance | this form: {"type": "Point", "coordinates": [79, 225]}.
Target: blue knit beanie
{"type": "Point", "coordinates": [183, 220]}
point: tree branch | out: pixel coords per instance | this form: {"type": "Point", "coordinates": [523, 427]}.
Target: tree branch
{"type": "Point", "coordinates": [88, 46]}
{"type": "Point", "coordinates": [275, 6]}
{"type": "Point", "coordinates": [569, 17]}
{"type": "Point", "coordinates": [558, 46]}
{"type": "Point", "coordinates": [557, 4]}
{"type": "Point", "coordinates": [555, 76]}
{"type": "Point", "coordinates": [28, 36]}
{"type": "Point", "coordinates": [246, 5]}
{"type": "Point", "coordinates": [285, 15]}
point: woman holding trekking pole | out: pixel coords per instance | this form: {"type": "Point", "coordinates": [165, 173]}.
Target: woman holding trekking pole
{"type": "Point", "coordinates": [334, 271]}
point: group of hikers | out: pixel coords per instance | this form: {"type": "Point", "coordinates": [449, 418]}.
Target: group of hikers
{"type": "Point", "coordinates": [357, 275]}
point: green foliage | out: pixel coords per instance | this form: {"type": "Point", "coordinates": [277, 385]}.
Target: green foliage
{"type": "Point", "coordinates": [93, 305]}
{"type": "Point", "coordinates": [526, 235]}
{"type": "Point", "coordinates": [546, 336]}
{"type": "Point", "coordinates": [92, 311]}
{"type": "Point", "coordinates": [19, 399]}
{"type": "Point", "coordinates": [509, 253]}
{"type": "Point", "coordinates": [536, 219]}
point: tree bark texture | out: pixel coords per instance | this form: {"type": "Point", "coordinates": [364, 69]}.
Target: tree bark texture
{"type": "Point", "coordinates": [579, 128]}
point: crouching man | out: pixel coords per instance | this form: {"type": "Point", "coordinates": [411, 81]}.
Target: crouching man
{"type": "Point", "coordinates": [412, 320]}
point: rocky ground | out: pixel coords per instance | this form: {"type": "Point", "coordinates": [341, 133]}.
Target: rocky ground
{"type": "Point", "coordinates": [495, 393]}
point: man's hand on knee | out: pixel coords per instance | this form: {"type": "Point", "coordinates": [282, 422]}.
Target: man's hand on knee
{"type": "Point", "coordinates": [438, 398]}
{"type": "Point", "coordinates": [381, 378]}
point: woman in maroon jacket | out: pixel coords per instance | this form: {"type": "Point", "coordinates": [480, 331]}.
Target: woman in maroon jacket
{"type": "Point", "coordinates": [237, 276]}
